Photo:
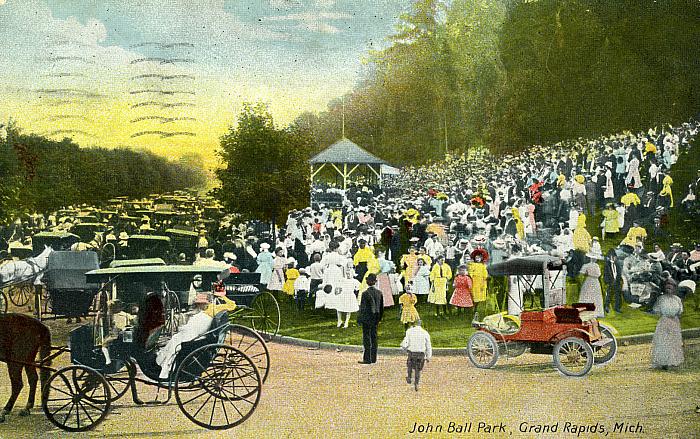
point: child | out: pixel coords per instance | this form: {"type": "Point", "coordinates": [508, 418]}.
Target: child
{"type": "Point", "coordinates": [417, 345]}
{"type": "Point", "coordinates": [409, 313]}
{"type": "Point", "coordinates": [301, 289]}
{"type": "Point", "coordinates": [462, 296]}
{"type": "Point", "coordinates": [316, 273]}
{"type": "Point", "coordinates": [291, 274]}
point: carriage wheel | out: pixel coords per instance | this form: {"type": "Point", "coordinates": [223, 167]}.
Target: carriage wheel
{"type": "Point", "coordinates": [604, 354]}
{"type": "Point", "coordinates": [172, 313]}
{"type": "Point", "coordinates": [252, 344]}
{"type": "Point", "coordinates": [220, 393]}
{"type": "Point", "coordinates": [265, 316]}
{"type": "Point", "coordinates": [573, 356]}
{"type": "Point", "coordinates": [3, 303]}
{"type": "Point", "coordinates": [76, 398]}
{"type": "Point", "coordinates": [119, 383]}
{"type": "Point", "coordinates": [482, 350]}
{"type": "Point", "coordinates": [20, 294]}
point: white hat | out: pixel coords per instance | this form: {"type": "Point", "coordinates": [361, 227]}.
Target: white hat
{"type": "Point", "coordinates": [229, 255]}
{"type": "Point", "coordinates": [264, 246]}
{"type": "Point", "coordinates": [687, 284]}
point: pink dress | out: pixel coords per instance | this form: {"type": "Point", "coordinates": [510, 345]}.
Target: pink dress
{"type": "Point", "coordinates": [462, 296]}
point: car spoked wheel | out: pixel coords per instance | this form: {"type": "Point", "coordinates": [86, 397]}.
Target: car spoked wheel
{"type": "Point", "coordinates": [482, 350]}
{"type": "Point", "coordinates": [606, 352]}
{"type": "Point", "coordinates": [573, 356]}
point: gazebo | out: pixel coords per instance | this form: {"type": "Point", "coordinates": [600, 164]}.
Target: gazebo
{"type": "Point", "coordinates": [346, 158]}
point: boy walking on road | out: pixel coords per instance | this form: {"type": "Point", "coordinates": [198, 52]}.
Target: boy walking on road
{"type": "Point", "coordinates": [417, 344]}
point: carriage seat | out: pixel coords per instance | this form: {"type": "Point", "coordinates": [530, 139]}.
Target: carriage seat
{"type": "Point", "coordinates": [565, 314]}
{"type": "Point", "coordinates": [214, 335]}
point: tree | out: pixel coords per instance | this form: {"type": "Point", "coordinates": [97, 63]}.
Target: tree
{"type": "Point", "coordinates": [266, 172]}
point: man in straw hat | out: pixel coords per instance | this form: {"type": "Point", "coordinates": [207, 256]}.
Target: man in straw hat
{"type": "Point", "coordinates": [197, 325]}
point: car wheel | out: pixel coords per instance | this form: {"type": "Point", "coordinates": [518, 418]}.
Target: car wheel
{"type": "Point", "coordinates": [482, 350]}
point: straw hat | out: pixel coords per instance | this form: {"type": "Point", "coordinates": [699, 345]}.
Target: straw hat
{"type": "Point", "coordinates": [264, 246]}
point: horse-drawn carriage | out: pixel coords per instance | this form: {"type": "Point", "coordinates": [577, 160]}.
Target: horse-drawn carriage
{"type": "Point", "coordinates": [571, 334]}
{"type": "Point", "coordinates": [183, 241]}
{"type": "Point", "coordinates": [215, 379]}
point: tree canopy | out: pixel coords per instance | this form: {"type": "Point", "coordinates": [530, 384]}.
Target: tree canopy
{"type": "Point", "coordinates": [41, 175]}
{"type": "Point", "coordinates": [265, 172]}
{"type": "Point", "coordinates": [509, 73]}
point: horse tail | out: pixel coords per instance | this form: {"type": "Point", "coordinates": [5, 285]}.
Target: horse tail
{"type": "Point", "coordinates": [44, 357]}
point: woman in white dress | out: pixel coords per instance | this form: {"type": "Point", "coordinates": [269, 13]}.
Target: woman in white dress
{"type": "Point", "coordinates": [590, 289]}
{"type": "Point", "coordinates": [667, 344]}
{"type": "Point", "coordinates": [345, 297]}
{"type": "Point", "coordinates": [333, 265]}
{"type": "Point", "coordinates": [277, 278]}
{"type": "Point", "coordinates": [421, 281]}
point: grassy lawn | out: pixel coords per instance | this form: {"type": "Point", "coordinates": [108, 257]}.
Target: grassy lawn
{"type": "Point", "coordinates": [452, 332]}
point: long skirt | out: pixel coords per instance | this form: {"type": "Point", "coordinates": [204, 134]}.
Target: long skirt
{"type": "Point", "coordinates": [667, 343]}
{"type": "Point", "coordinates": [591, 293]}
{"type": "Point", "coordinates": [384, 285]}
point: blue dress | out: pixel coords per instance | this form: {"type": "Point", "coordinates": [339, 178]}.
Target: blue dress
{"type": "Point", "coordinates": [264, 260]}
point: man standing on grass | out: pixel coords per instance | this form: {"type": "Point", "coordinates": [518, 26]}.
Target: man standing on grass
{"type": "Point", "coordinates": [419, 349]}
{"type": "Point", "coordinates": [369, 316]}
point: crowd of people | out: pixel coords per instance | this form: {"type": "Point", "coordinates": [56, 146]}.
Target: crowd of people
{"type": "Point", "coordinates": [429, 235]}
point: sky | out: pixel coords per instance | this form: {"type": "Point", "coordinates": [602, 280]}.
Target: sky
{"type": "Point", "coordinates": [171, 75]}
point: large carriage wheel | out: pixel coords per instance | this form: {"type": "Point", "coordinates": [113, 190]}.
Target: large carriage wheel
{"type": "Point", "coordinates": [573, 356]}
{"type": "Point", "coordinates": [76, 398]}
{"type": "Point", "coordinates": [3, 303]}
{"type": "Point", "coordinates": [217, 387]}
{"type": "Point", "coordinates": [171, 306]}
{"type": "Point", "coordinates": [265, 316]}
{"type": "Point", "coordinates": [482, 350]}
{"type": "Point", "coordinates": [604, 354]}
{"type": "Point", "coordinates": [20, 293]}
{"type": "Point", "coordinates": [252, 344]}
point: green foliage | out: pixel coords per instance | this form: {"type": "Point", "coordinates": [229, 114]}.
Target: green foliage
{"type": "Point", "coordinates": [509, 74]}
{"type": "Point", "coordinates": [266, 173]}
{"type": "Point", "coordinates": [41, 175]}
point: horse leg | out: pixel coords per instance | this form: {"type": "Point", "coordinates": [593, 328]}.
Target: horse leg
{"type": "Point", "coordinates": [15, 372]}
{"type": "Point", "coordinates": [32, 378]}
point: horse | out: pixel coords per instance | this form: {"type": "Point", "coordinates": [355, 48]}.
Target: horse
{"type": "Point", "coordinates": [31, 268]}
{"type": "Point", "coordinates": [21, 338]}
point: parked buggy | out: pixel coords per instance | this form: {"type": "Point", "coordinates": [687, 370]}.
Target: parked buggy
{"type": "Point", "coordinates": [149, 246]}
{"type": "Point", "coordinates": [68, 293]}
{"type": "Point", "coordinates": [255, 305]}
{"type": "Point", "coordinates": [59, 241]}
{"type": "Point", "coordinates": [183, 241]}
{"type": "Point", "coordinates": [571, 334]}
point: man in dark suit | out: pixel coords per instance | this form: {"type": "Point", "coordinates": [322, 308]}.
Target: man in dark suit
{"type": "Point", "coordinates": [369, 315]}
{"type": "Point", "coordinates": [612, 275]}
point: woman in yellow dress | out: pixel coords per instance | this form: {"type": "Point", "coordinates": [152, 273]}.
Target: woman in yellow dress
{"type": "Point", "coordinates": [439, 276]}
{"type": "Point", "coordinates": [479, 274]}
{"type": "Point", "coordinates": [291, 275]}
{"type": "Point", "coordinates": [409, 263]}
{"type": "Point", "coordinates": [582, 239]}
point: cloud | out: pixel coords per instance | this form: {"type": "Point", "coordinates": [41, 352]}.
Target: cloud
{"type": "Point", "coordinates": [312, 21]}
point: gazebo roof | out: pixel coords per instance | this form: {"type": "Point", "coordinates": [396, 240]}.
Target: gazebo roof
{"type": "Point", "coordinates": [345, 151]}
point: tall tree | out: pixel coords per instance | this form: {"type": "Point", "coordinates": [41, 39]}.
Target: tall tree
{"type": "Point", "coordinates": [265, 173]}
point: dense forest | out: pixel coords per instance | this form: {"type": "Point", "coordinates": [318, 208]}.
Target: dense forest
{"type": "Point", "coordinates": [38, 174]}
{"type": "Point", "coordinates": [507, 74]}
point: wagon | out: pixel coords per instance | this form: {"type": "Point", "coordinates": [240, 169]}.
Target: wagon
{"type": "Point", "coordinates": [215, 385]}
{"type": "Point", "coordinates": [68, 293]}
{"type": "Point", "coordinates": [86, 231]}
{"type": "Point", "coordinates": [255, 305]}
{"type": "Point", "coordinates": [571, 334]}
{"type": "Point", "coordinates": [59, 241]}
{"type": "Point", "coordinates": [149, 246]}
{"type": "Point", "coordinates": [183, 241]}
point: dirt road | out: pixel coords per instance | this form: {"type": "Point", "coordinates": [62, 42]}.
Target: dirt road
{"type": "Point", "coordinates": [327, 394]}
